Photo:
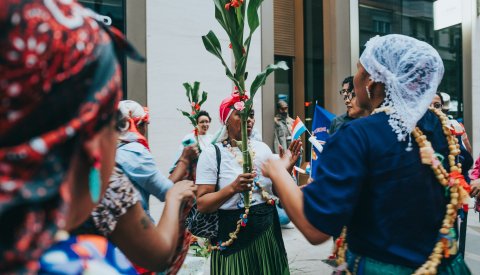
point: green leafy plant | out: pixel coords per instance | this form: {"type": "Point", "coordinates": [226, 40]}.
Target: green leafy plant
{"type": "Point", "coordinates": [233, 15]}
{"type": "Point", "coordinates": [196, 101]}
{"type": "Point", "coordinates": [200, 250]}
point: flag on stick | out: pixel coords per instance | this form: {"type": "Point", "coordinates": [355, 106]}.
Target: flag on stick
{"type": "Point", "coordinates": [298, 128]}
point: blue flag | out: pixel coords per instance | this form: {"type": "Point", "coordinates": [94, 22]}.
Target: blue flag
{"type": "Point", "coordinates": [320, 124]}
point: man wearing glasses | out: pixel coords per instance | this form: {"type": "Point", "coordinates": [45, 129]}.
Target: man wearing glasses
{"type": "Point", "coordinates": [353, 110]}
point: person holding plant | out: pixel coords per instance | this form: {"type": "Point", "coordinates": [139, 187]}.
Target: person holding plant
{"type": "Point", "coordinates": [199, 138]}
{"type": "Point", "coordinates": [257, 248]}
{"type": "Point", "coordinates": [203, 120]}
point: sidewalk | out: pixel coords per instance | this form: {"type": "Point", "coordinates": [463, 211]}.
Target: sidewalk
{"type": "Point", "coordinates": [305, 259]}
{"type": "Point", "coordinates": [472, 247]}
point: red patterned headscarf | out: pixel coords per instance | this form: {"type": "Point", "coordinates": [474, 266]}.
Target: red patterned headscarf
{"type": "Point", "coordinates": [60, 83]}
{"type": "Point", "coordinates": [135, 114]}
{"type": "Point", "coordinates": [231, 103]}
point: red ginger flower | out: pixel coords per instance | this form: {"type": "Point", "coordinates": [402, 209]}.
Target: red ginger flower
{"type": "Point", "coordinates": [233, 3]}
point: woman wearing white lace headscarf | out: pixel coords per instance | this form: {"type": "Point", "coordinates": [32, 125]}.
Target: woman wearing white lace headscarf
{"type": "Point", "coordinates": [390, 197]}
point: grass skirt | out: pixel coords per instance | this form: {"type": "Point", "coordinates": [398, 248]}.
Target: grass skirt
{"type": "Point", "coordinates": [259, 248]}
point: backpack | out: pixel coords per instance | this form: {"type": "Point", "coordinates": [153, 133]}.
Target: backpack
{"type": "Point", "coordinates": [204, 225]}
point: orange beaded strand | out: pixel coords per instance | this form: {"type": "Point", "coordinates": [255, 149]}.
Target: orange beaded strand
{"type": "Point", "coordinates": [458, 195]}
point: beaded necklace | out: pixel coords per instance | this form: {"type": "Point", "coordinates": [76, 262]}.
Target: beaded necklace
{"type": "Point", "coordinates": [243, 219]}
{"type": "Point", "coordinates": [455, 185]}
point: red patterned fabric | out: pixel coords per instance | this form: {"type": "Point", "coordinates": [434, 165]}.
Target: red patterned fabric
{"type": "Point", "coordinates": [227, 105]}
{"type": "Point", "coordinates": [59, 84]}
{"type": "Point", "coordinates": [183, 244]}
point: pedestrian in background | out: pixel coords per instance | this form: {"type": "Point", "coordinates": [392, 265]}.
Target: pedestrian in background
{"type": "Point", "coordinates": [353, 109]}
{"type": "Point", "coordinates": [283, 127]}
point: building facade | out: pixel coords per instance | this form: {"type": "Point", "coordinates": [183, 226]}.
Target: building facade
{"type": "Point", "coordinates": [321, 41]}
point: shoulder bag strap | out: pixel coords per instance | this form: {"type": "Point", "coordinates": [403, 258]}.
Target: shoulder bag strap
{"type": "Point", "coordinates": [219, 159]}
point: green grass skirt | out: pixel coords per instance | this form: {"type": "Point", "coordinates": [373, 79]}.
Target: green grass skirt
{"type": "Point", "coordinates": [259, 249]}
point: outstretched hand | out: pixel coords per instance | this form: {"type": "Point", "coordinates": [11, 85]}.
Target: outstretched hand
{"type": "Point", "coordinates": [295, 149]}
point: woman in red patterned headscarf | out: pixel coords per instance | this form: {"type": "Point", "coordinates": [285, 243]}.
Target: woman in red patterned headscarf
{"type": "Point", "coordinates": [249, 239]}
{"type": "Point", "coordinates": [60, 84]}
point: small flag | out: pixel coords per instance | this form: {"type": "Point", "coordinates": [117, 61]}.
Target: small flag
{"type": "Point", "coordinates": [299, 170]}
{"type": "Point", "coordinates": [298, 128]}
{"type": "Point", "coordinates": [316, 143]}
{"type": "Point", "coordinates": [320, 124]}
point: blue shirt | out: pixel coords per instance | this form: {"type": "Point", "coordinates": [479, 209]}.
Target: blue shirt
{"type": "Point", "coordinates": [391, 203]}
{"type": "Point", "coordinates": [138, 164]}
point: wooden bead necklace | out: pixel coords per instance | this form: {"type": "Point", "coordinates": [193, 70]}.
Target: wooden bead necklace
{"type": "Point", "coordinates": [242, 221]}
{"type": "Point", "coordinates": [456, 188]}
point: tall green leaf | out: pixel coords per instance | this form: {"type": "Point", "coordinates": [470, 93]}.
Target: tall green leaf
{"type": "Point", "coordinates": [212, 45]}
{"type": "Point", "coordinates": [262, 77]}
{"type": "Point", "coordinates": [252, 14]}
{"type": "Point", "coordinates": [204, 98]}
{"type": "Point", "coordinates": [196, 87]}
{"type": "Point", "coordinates": [220, 14]}
{"type": "Point", "coordinates": [188, 88]}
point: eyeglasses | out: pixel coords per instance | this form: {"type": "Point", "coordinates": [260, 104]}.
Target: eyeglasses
{"type": "Point", "coordinates": [251, 115]}
{"type": "Point", "coordinates": [346, 94]}
{"type": "Point", "coordinates": [437, 105]}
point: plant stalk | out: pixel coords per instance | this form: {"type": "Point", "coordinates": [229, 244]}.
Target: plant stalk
{"type": "Point", "coordinates": [247, 160]}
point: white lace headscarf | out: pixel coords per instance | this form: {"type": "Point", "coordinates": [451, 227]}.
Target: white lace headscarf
{"type": "Point", "coordinates": [411, 71]}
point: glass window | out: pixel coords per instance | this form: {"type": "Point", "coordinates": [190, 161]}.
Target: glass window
{"type": "Point", "coordinates": [284, 83]}
{"type": "Point", "coordinates": [415, 18]}
{"type": "Point", "coordinates": [314, 61]}
{"type": "Point", "coordinates": [113, 14]}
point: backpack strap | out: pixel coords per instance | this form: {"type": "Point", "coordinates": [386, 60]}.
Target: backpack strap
{"type": "Point", "coordinates": [219, 159]}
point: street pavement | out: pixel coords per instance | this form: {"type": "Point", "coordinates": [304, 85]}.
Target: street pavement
{"type": "Point", "coordinates": [472, 247]}
{"type": "Point", "coordinates": [305, 259]}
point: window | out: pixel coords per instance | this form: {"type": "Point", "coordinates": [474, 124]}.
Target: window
{"type": "Point", "coordinates": [113, 13]}
{"type": "Point", "coordinates": [381, 26]}
{"type": "Point", "coordinates": [284, 83]}
{"type": "Point", "coordinates": [314, 61]}
{"type": "Point", "coordinates": [415, 18]}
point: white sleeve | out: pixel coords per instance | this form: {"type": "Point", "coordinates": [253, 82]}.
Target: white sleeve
{"type": "Point", "coordinates": [264, 151]}
{"type": "Point", "coordinates": [207, 166]}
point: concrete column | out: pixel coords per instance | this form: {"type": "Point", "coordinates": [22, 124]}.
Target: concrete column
{"type": "Point", "coordinates": [268, 91]}
{"type": "Point", "coordinates": [339, 26]}
{"type": "Point", "coordinates": [299, 63]}
{"type": "Point", "coordinates": [136, 18]}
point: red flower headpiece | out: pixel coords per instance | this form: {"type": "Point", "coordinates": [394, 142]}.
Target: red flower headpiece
{"type": "Point", "coordinates": [233, 102]}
